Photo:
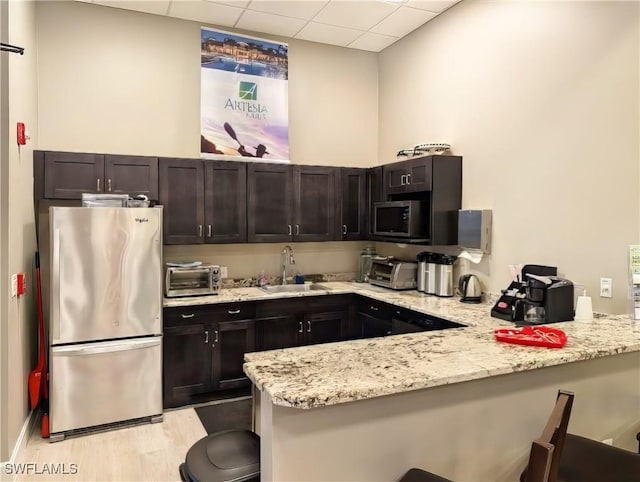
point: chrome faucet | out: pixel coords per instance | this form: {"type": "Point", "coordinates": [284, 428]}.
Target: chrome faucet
{"type": "Point", "coordinates": [286, 250]}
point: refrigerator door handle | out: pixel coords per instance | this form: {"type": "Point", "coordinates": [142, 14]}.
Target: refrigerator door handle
{"type": "Point", "coordinates": [96, 349]}
{"type": "Point", "coordinates": [55, 281]}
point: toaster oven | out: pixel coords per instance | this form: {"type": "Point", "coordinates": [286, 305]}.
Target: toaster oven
{"type": "Point", "coordinates": [192, 281]}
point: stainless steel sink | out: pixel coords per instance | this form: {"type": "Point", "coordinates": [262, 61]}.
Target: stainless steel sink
{"type": "Point", "coordinates": [292, 288]}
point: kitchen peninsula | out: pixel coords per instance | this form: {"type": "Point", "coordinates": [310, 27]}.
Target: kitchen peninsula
{"type": "Point", "coordinates": [455, 401]}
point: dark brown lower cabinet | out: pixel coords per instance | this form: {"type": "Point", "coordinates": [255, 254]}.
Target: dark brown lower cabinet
{"type": "Point", "coordinates": [187, 363]}
{"type": "Point", "coordinates": [231, 340]}
{"type": "Point", "coordinates": [202, 356]}
{"type": "Point", "coordinates": [308, 321]}
{"type": "Point", "coordinates": [204, 345]}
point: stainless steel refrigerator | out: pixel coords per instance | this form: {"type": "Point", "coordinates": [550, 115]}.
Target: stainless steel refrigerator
{"type": "Point", "coordinates": [105, 317]}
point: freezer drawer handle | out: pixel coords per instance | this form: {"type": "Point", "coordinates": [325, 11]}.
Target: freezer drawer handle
{"type": "Point", "coordinates": [188, 316]}
{"type": "Point", "coordinates": [127, 346]}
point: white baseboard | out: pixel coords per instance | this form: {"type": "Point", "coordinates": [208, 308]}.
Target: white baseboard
{"type": "Point", "coordinates": [23, 438]}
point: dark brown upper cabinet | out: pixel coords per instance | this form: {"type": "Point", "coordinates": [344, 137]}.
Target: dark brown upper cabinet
{"type": "Point", "coordinates": [225, 208]}
{"type": "Point", "coordinates": [131, 175]}
{"type": "Point", "coordinates": [66, 175]}
{"type": "Point", "coordinates": [204, 201]}
{"type": "Point", "coordinates": [409, 176]}
{"type": "Point", "coordinates": [353, 196]}
{"type": "Point", "coordinates": [375, 193]}
{"type": "Point", "coordinates": [291, 203]}
{"type": "Point", "coordinates": [269, 202]}
{"type": "Point", "coordinates": [182, 195]}
{"type": "Point", "coordinates": [314, 203]}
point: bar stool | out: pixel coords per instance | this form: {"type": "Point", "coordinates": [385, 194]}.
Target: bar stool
{"type": "Point", "coordinates": [545, 452]}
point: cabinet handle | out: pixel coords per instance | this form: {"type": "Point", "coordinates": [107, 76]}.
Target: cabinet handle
{"type": "Point", "coordinates": [373, 308]}
{"type": "Point", "coordinates": [200, 230]}
{"type": "Point", "coordinates": [301, 330]}
{"type": "Point", "coordinates": [344, 229]}
{"type": "Point", "coordinates": [209, 229]}
{"type": "Point", "coordinates": [403, 180]}
{"type": "Point", "coordinates": [108, 185]}
{"type": "Point", "coordinates": [216, 336]}
{"type": "Point", "coordinates": [206, 337]}
{"type": "Point", "coordinates": [191, 315]}
{"type": "Point", "coordinates": [233, 312]}
{"type": "Point", "coordinates": [308, 326]}
{"type": "Point", "coordinates": [98, 185]}
{"type": "Point", "coordinates": [408, 178]}
{"type": "Point", "coordinates": [297, 229]}
{"type": "Point", "coordinates": [289, 229]}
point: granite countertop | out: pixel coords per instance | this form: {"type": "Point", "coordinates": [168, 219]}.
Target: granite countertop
{"type": "Point", "coordinates": [328, 374]}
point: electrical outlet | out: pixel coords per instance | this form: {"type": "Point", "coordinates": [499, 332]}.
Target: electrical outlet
{"type": "Point", "coordinates": [608, 441]}
{"type": "Point", "coordinates": [606, 287]}
{"type": "Point", "coordinates": [223, 272]}
{"type": "Point", "coordinates": [14, 285]}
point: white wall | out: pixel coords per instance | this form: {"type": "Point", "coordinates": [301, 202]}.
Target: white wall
{"type": "Point", "coordinates": [541, 99]}
{"type": "Point", "coordinates": [118, 81]}
{"type": "Point", "coordinates": [20, 324]}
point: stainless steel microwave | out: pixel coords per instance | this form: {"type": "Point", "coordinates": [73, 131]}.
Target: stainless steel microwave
{"type": "Point", "coordinates": [401, 219]}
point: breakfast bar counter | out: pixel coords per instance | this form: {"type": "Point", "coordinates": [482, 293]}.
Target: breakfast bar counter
{"type": "Point", "coordinates": [455, 401]}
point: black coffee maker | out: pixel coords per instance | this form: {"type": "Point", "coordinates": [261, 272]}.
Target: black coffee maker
{"type": "Point", "coordinates": [549, 299]}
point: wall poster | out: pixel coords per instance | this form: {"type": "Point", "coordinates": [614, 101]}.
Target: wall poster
{"type": "Point", "coordinates": [244, 107]}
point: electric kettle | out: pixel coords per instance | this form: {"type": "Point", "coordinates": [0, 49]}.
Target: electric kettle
{"type": "Point", "coordinates": [470, 288]}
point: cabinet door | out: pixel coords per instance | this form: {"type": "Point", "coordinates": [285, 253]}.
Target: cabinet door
{"type": "Point", "coordinates": [279, 332]}
{"type": "Point", "coordinates": [419, 175]}
{"type": "Point", "coordinates": [269, 208]}
{"type": "Point", "coordinates": [68, 174]}
{"type": "Point", "coordinates": [395, 178]}
{"type": "Point", "coordinates": [325, 327]}
{"type": "Point", "coordinates": [375, 192]}
{"type": "Point", "coordinates": [314, 203]}
{"type": "Point", "coordinates": [182, 195]}
{"type": "Point", "coordinates": [373, 326]}
{"type": "Point", "coordinates": [354, 197]}
{"type": "Point", "coordinates": [186, 361]}
{"type": "Point", "coordinates": [231, 340]}
{"type": "Point", "coordinates": [132, 175]}
{"type": "Point", "coordinates": [225, 202]}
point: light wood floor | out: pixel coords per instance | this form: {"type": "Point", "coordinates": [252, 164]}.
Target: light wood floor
{"type": "Point", "coordinates": [141, 453]}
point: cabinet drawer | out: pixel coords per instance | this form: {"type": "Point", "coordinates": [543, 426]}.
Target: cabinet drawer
{"type": "Point", "coordinates": [209, 313]}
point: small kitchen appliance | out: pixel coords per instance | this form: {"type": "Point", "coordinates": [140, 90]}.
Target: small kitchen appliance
{"type": "Point", "coordinates": [444, 275]}
{"type": "Point", "coordinates": [401, 219]}
{"type": "Point", "coordinates": [550, 296]}
{"type": "Point", "coordinates": [470, 288]}
{"type": "Point", "coordinates": [393, 273]}
{"type": "Point", "coordinates": [198, 280]}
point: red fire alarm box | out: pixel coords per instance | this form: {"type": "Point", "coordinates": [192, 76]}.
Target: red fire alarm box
{"type": "Point", "coordinates": [22, 284]}
{"type": "Point", "coordinates": [22, 136]}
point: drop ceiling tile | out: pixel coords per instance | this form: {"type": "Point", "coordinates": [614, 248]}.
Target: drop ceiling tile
{"type": "Point", "coordinates": [269, 23]}
{"type": "Point", "coordinates": [205, 12]}
{"type": "Point", "coordinates": [233, 3]}
{"type": "Point", "coordinates": [304, 9]}
{"type": "Point", "coordinates": [431, 6]}
{"type": "Point", "coordinates": [155, 7]}
{"type": "Point", "coordinates": [403, 21]}
{"type": "Point", "coordinates": [355, 14]}
{"type": "Point", "coordinates": [373, 42]}
{"type": "Point", "coordinates": [328, 34]}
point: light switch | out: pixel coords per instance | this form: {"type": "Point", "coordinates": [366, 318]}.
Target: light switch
{"type": "Point", "coordinates": [606, 287]}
